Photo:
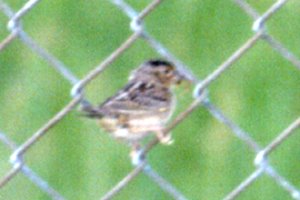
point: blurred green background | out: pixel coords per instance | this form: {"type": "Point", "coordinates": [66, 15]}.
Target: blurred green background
{"type": "Point", "coordinates": [261, 93]}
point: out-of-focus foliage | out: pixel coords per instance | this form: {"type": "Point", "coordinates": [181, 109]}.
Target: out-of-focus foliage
{"type": "Point", "coordinates": [260, 93]}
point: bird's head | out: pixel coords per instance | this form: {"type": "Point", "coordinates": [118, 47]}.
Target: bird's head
{"type": "Point", "coordinates": [160, 71]}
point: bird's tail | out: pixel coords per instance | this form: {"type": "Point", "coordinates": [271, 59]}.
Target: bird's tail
{"type": "Point", "coordinates": [90, 111]}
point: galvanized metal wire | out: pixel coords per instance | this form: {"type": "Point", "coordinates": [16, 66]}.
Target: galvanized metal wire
{"type": "Point", "coordinates": [263, 167]}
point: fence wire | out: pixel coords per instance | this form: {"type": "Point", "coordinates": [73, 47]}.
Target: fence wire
{"type": "Point", "coordinates": [263, 167]}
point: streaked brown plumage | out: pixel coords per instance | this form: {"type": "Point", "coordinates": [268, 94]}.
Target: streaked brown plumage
{"type": "Point", "coordinates": [143, 106]}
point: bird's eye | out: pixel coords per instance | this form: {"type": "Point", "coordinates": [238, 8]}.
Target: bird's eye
{"type": "Point", "coordinates": [167, 71]}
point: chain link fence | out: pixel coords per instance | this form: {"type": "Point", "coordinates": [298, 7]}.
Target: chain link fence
{"type": "Point", "coordinates": [260, 34]}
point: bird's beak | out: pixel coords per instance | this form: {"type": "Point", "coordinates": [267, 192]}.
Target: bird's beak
{"type": "Point", "coordinates": [180, 77]}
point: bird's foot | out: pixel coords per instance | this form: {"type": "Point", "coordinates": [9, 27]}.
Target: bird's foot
{"type": "Point", "coordinates": [165, 139]}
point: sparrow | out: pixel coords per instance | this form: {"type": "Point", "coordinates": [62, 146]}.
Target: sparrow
{"type": "Point", "coordinates": [143, 106]}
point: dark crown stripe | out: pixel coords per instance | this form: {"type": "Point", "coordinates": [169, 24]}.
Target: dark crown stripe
{"type": "Point", "coordinates": [159, 63]}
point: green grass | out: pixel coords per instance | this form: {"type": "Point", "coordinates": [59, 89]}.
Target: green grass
{"type": "Point", "coordinates": [260, 93]}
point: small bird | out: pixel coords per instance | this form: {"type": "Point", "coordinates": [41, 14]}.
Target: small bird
{"type": "Point", "coordinates": [143, 106]}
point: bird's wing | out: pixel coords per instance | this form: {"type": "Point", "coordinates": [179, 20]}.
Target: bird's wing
{"type": "Point", "coordinates": [137, 99]}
